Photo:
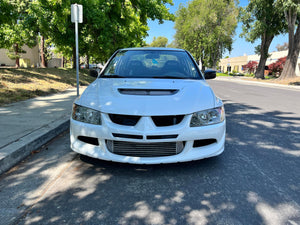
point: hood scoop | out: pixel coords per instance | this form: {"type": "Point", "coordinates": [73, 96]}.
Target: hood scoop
{"type": "Point", "coordinates": [151, 92]}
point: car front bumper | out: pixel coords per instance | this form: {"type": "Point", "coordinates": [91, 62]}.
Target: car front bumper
{"type": "Point", "coordinates": [140, 134]}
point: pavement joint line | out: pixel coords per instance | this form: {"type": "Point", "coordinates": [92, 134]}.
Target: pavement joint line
{"type": "Point", "coordinates": [34, 138]}
{"type": "Point", "coordinates": [44, 126]}
{"type": "Point", "coordinates": [12, 154]}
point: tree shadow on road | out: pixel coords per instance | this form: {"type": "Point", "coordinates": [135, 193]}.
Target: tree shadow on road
{"type": "Point", "coordinates": [255, 181]}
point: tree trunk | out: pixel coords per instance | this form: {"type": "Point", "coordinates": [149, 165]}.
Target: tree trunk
{"type": "Point", "coordinates": [42, 51]}
{"type": "Point", "coordinates": [201, 58]}
{"type": "Point", "coordinates": [17, 55]}
{"type": "Point", "coordinates": [87, 61]}
{"type": "Point", "coordinates": [74, 57]}
{"type": "Point", "coordinates": [202, 64]}
{"type": "Point", "coordinates": [62, 62]}
{"type": "Point", "coordinates": [214, 66]}
{"type": "Point", "coordinates": [264, 50]}
{"type": "Point", "coordinates": [215, 56]}
{"type": "Point", "coordinates": [294, 48]}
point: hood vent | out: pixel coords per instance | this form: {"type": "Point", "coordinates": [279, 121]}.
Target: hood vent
{"type": "Point", "coordinates": [151, 92]}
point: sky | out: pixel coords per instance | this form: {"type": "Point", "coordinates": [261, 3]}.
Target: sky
{"type": "Point", "coordinates": [240, 45]}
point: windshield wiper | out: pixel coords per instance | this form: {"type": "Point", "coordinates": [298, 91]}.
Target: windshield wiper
{"type": "Point", "coordinates": [112, 76]}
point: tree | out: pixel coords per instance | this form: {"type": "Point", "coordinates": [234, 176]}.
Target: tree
{"type": "Point", "coordinates": [159, 42]}
{"type": "Point", "coordinates": [5, 10]}
{"type": "Point", "coordinates": [277, 67]}
{"type": "Point", "coordinates": [291, 10]}
{"type": "Point", "coordinates": [107, 25]}
{"type": "Point", "coordinates": [16, 30]}
{"type": "Point", "coordinates": [124, 24]}
{"type": "Point", "coordinates": [251, 66]}
{"type": "Point", "coordinates": [173, 44]}
{"type": "Point", "coordinates": [262, 20]}
{"type": "Point", "coordinates": [206, 29]}
{"type": "Point", "coordinates": [283, 47]}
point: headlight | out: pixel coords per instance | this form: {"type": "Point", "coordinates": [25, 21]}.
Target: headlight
{"type": "Point", "coordinates": [86, 115]}
{"type": "Point", "coordinates": [208, 117]}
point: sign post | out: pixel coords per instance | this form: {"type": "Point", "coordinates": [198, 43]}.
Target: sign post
{"type": "Point", "coordinates": [76, 17]}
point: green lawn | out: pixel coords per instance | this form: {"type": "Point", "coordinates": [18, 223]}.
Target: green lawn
{"type": "Point", "coordinates": [24, 83]}
{"type": "Point", "coordinates": [222, 75]}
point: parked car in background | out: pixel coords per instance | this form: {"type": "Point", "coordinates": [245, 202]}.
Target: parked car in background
{"type": "Point", "coordinates": [91, 66]}
{"type": "Point", "coordinates": [149, 106]}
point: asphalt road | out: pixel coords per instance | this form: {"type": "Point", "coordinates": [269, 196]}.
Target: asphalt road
{"type": "Point", "coordinates": [255, 181]}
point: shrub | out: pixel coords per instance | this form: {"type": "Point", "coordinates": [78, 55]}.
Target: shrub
{"type": "Point", "coordinates": [251, 66]}
{"type": "Point", "coordinates": [277, 67]}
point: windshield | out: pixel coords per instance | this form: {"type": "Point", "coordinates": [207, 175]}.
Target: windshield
{"type": "Point", "coordinates": [152, 64]}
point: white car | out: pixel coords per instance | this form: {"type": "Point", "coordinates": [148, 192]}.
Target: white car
{"type": "Point", "coordinates": [149, 106]}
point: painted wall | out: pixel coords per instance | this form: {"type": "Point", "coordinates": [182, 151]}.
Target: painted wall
{"type": "Point", "coordinates": [28, 59]}
{"type": "Point", "coordinates": [237, 62]}
{"type": "Point", "coordinates": [233, 64]}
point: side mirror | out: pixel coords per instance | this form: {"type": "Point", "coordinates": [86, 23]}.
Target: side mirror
{"type": "Point", "coordinates": [210, 74]}
{"type": "Point", "coordinates": [93, 73]}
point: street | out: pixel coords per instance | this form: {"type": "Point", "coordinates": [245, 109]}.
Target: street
{"type": "Point", "coordinates": [255, 181]}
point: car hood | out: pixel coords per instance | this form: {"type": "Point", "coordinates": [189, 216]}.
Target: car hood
{"type": "Point", "coordinates": [147, 97]}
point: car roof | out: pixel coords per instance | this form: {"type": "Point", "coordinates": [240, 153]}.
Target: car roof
{"type": "Point", "coordinates": [152, 48]}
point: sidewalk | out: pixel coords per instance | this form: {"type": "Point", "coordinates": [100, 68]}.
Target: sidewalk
{"type": "Point", "coordinates": [28, 125]}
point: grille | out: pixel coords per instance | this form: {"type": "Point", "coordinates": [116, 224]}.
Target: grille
{"type": "Point", "coordinates": [162, 121]}
{"type": "Point", "coordinates": [144, 149]}
{"type": "Point", "coordinates": [151, 137]}
{"type": "Point", "coordinates": [124, 119]}
{"type": "Point", "coordinates": [128, 136]}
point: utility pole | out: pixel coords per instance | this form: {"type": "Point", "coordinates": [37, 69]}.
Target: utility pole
{"type": "Point", "coordinates": [76, 17]}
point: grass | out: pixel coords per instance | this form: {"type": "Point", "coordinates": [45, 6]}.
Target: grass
{"type": "Point", "coordinates": [25, 83]}
{"type": "Point", "coordinates": [223, 75]}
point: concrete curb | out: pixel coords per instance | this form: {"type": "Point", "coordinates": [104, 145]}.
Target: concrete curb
{"type": "Point", "coordinates": [13, 153]}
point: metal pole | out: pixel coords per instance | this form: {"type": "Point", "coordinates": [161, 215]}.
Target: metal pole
{"type": "Point", "coordinates": [77, 61]}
